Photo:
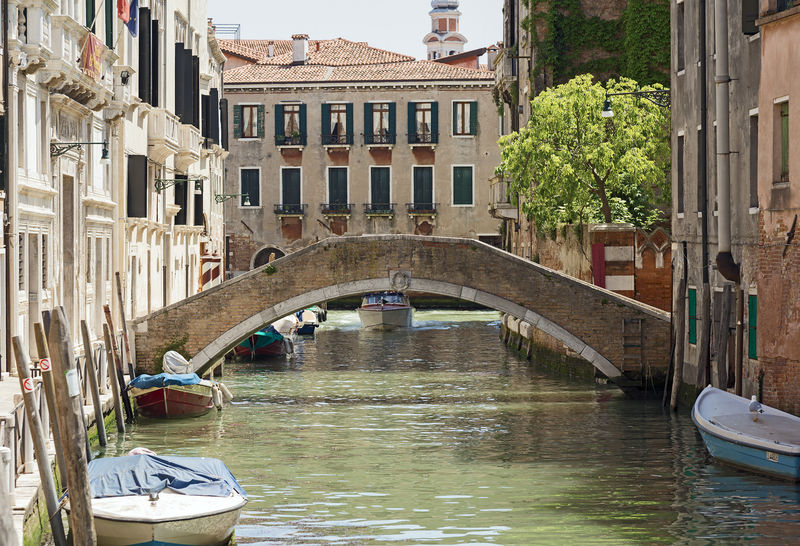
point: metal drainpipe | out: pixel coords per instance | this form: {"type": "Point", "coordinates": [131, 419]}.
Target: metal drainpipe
{"type": "Point", "coordinates": [9, 288]}
{"type": "Point", "coordinates": [703, 362]}
{"type": "Point", "coordinates": [725, 263]}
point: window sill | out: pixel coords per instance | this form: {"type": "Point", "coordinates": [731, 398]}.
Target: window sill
{"type": "Point", "coordinates": [680, 215]}
{"type": "Point", "coordinates": [251, 207]}
{"type": "Point", "coordinates": [290, 147]}
{"type": "Point", "coordinates": [462, 206]}
{"type": "Point", "coordinates": [249, 139]}
{"type": "Point", "coordinates": [752, 210]}
{"type": "Point", "coordinates": [380, 146]}
{"type": "Point", "coordinates": [465, 136]}
{"type": "Point", "coordinates": [336, 147]}
{"type": "Point", "coordinates": [431, 145]}
{"type": "Point", "coordinates": [379, 214]}
{"type": "Point", "coordinates": [780, 185]}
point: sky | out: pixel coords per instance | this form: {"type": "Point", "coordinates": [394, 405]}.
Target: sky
{"type": "Point", "coordinates": [395, 25]}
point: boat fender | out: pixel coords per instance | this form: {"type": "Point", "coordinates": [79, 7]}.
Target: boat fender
{"type": "Point", "coordinates": [216, 396]}
{"type": "Point", "coordinates": [289, 345]}
{"type": "Point", "coordinates": [227, 395]}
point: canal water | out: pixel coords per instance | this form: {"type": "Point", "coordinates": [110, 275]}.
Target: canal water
{"type": "Point", "coordinates": [441, 435]}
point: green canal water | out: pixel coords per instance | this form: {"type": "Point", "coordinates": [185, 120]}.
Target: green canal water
{"type": "Point", "coordinates": [440, 435]}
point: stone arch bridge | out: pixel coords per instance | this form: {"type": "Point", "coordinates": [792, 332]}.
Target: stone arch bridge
{"type": "Point", "coordinates": [586, 319]}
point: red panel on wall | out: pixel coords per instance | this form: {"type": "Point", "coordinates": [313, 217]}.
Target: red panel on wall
{"type": "Point", "coordinates": [599, 264]}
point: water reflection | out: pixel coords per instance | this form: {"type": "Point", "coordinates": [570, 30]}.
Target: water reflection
{"type": "Point", "coordinates": [438, 434]}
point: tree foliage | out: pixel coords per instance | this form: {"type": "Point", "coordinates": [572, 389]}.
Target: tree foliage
{"type": "Point", "coordinates": [570, 165]}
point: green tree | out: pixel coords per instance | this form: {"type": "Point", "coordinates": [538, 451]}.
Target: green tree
{"type": "Point", "coordinates": [570, 165]}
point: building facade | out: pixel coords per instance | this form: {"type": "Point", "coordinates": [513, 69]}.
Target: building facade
{"type": "Point", "coordinates": [92, 104]}
{"type": "Point", "coordinates": [341, 138]}
{"type": "Point", "coordinates": [774, 318]}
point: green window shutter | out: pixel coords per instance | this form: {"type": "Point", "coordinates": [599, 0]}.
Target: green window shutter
{"type": "Point", "coordinates": [752, 322]}
{"type": "Point", "coordinates": [368, 121]}
{"type": "Point", "coordinates": [279, 120]}
{"type": "Point", "coordinates": [303, 116]}
{"type": "Point", "coordinates": [237, 121]}
{"type": "Point", "coordinates": [109, 24]}
{"type": "Point", "coordinates": [462, 186]}
{"type": "Point", "coordinates": [473, 117]}
{"type": "Point", "coordinates": [326, 122]}
{"type": "Point", "coordinates": [250, 187]}
{"type": "Point", "coordinates": [349, 112]}
{"type": "Point", "coordinates": [380, 186]}
{"type": "Point", "coordinates": [692, 315]}
{"type": "Point", "coordinates": [260, 121]}
{"type": "Point", "coordinates": [412, 125]}
{"type": "Point", "coordinates": [434, 122]}
{"type": "Point", "coordinates": [337, 185]}
{"type": "Point", "coordinates": [392, 121]}
{"type": "Point", "coordinates": [291, 186]}
{"type": "Point", "coordinates": [423, 185]}
{"type": "Point", "coordinates": [784, 140]}
{"type": "Point", "coordinates": [455, 118]}
{"type": "Point", "coordinates": [90, 15]}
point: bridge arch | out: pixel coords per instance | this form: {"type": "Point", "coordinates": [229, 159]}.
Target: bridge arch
{"type": "Point", "coordinates": [588, 320]}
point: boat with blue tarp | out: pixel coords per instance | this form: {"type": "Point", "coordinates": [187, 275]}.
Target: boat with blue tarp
{"type": "Point", "coordinates": [748, 434]}
{"type": "Point", "coordinates": [164, 500]}
{"type": "Point", "coordinates": [172, 395]}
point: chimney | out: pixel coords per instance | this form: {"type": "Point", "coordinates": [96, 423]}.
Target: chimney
{"type": "Point", "coordinates": [492, 52]}
{"type": "Point", "coordinates": [271, 49]}
{"type": "Point", "coordinates": [299, 46]}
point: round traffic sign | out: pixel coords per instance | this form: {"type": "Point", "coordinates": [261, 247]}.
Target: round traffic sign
{"type": "Point", "coordinates": [44, 364]}
{"type": "Point", "coordinates": [27, 384]}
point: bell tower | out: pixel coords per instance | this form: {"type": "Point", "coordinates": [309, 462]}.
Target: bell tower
{"type": "Point", "coordinates": [444, 38]}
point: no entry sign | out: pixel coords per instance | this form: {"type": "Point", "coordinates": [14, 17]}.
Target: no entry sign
{"type": "Point", "coordinates": [44, 364]}
{"type": "Point", "coordinates": [27, 384]}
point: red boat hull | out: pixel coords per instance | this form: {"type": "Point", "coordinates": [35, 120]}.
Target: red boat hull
{"type": "Point", "coordinates": [276, 348]}
{"type": "Point", "coordinates": [174, 401]}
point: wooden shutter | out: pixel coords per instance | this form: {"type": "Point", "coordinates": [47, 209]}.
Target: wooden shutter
{"type": "Point", "coordinates": [462, 185]}
{"type": "Point", "coordinates": [260, 121]}
{"type": "Point", "coordinates": [223, 119]}
{"type": "Point", "coordinates": [303, 116]}
{"type": "Point", "coordinates": [205, 115]}
{"type": "Point", "coordinates": [237, 121]}
{"type": "Point", "coordinates": [195, 91]}
{"type": "Point", "coordinates": [213, 115]}
{"type": "Point", "coordinates": [137, 186]}
{"type": "Point", "coordinates": [455, 117]}
{"type": "Point", "coordinates": [326, 123]}
{"type": "Point", "coordinates": [423, 185]}
{"type": "Point", "coordinates": [368, 122]}
{"type": "Point", "coordinates": [180, 199]}
{"type": "Point", "coordinates": [692, 315]}
{"type": "Point", "coordinates": [349, 121]}
{"type": "Point", "coordinates": [278, 122]}
{"type": "Point", "coordinates": [380, 186]}
{"type": "Point", "coordinates": [752, 331]}
{"type": "Point", "coordinates": [434, 122]}
{"type": "Point", "coordinates": [145, 61]}
{"type": "Point", "coordinates": [90, 15]}
{"type": "Point", "coordinates": [250, 185]}
{"type": "Point", "coordinates": [749, 16]}
{"type": "Point", "coordinates": [179, 81]}
{"type": "Point", "coordinates": [473, 117]}
{"type": "Point", "coordinates": [412, 123]}
{"type": "Point", "coordinates": [337, 185]}
{"type": "Point", "coordinates": [290, 187]}
{"type": "Point", "coordinates": [392, 122]}
{"type": "Point", "coordinates": [109, 17]}
{"type": "Point", "coordinates": [155, 56]}
{"type": "Point", "coordinates": [199, 219]}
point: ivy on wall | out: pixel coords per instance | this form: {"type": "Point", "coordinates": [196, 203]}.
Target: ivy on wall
{"type": "Point", "coordinates": [568, 42]}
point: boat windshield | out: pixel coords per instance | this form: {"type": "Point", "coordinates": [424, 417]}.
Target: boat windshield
{"type": "Point", "coordinates": [376, 299]}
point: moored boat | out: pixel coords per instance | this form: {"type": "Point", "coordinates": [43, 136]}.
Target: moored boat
{"type": "Point", "coordinates": [154, 500]}
{"type": "Point", "coordinates": [173, 395]}
{"type": "Point", "coordinates": [748, 434]}
{"type": "Point", "coordinates": [308, 321]}
{"type": "Point", "coordinates": [266, 342]}
{"type": "Point", "coordinates": [385, 311]}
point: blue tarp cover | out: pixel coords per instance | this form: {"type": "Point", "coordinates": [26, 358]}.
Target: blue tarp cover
{"type": "Point", "coordinates": [145, 381]}
{"type": "Point", "coordinates": [141, 474]}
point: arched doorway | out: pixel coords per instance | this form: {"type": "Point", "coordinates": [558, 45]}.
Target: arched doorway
{"type": "Point", "coordinates": [262, 257]}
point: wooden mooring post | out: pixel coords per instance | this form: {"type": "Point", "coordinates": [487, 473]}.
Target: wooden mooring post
{"type": "Point", "coordinates": [73, 433]}
{"type": "Point", "coordinates": [118, 365]}
{"type": "Point", "coordinates": [8, 534]}
{"type": "Point", "coordinates": [50, 396]}
{"type": "Point", "coordinates": [125, 342]}
{"type": "Point", "coordinates": [38, 433]}
{"type": "Point", "coordinates": [92, 373]}
{"type": "Point", "coordinates": [112, 375]}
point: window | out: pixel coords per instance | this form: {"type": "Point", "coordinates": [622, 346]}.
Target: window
{"type": "Point", "coordinates": [290, 190]}
{"type": "Point", "coordinates": [465, 118]}
{"type": "Point", "coordinates": [701, 169]}
{"type": "Point", "coordinates": [423, 125]}
{"type": "Point", "coordinates": [290, 124]}
{"type": "Point", "coordinates": [681, 60]}
{"type": "Point", "coordinates": [250, 188]}
{"type": "Point", "coordinates": [680, 173]}
{"type": "Point", "coordinates": [752, 320]}
{"type": "Point", "coordinates": [380, 121]}
{"type": "Point", "coordinates": [692, 315]}
{"type": "Point", "coordinates": [291, 119]}
{"type": "Point", "coordinates": [21, 262]}
{"type": "Point", "coordinates": [338, 120]}
{"type": "Point", "coordinates": [380, 186]}
{"type": "Point", "coordinates": [337, 124]}
{"type": "Point", "coordinates": [44, 261]}
{"type": "Point", "coordinates": [754, 161]}
{"type": "Point", "coordinates": [784, 142]}
{"type": "Point", "coordinates": [249, 121]}
{"type": "Point", "coordinates": [423, 188]}
{"type": "Point", "coordinates": [337, 188]}
{"type": "Point", "coordinates": [462, 185]}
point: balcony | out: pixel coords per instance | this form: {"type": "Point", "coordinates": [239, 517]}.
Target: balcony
{"type": "Point", "coordinates": [190, 143]}
{"type": "Point", "coordinates": [336, 209]}
{"type": "Point", "coordinates": [422, 209]}
{"type": "Point", "coordinates": [385, 140]}
{"type": "Point", "coordinates": [162, 134]}
{"type": "Point", "coordinates": [293, 210]}
{"type": "Point", "coordinates": [423, 140]}
{"type": "Point", "coordinates": [500, 205]}
{"type": "Point", "coordinates": [379, 209]}
{"type": "Point", "coordinates": [337, 141]}
{"type": "Point", "coordinates": [290, 141]}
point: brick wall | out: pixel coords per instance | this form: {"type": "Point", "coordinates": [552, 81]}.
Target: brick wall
{"type": "Point", "coordinates": [241, 249]}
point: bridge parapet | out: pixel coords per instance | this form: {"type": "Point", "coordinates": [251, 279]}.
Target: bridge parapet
{"type": "Point", "coordinates": [590, 321]}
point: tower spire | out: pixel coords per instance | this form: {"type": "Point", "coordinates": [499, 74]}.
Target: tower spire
{"type": "Point", "coordinates": [444, 38]}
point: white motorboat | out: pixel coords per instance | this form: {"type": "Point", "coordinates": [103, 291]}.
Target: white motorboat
{"type": "Point", "coordinates": [385, 311]}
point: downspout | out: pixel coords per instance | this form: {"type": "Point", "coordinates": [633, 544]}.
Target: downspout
{"type": "Point", "coordinates": [726, 265]}
{"type": "Point", "coordinates": [9, 288]}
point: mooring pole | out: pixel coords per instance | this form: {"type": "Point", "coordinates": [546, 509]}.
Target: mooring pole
{"type": "Point", "coordinates": [112, 375]}
{"type": "Point", "coordinates": [118, 364]}
{"type": "Point", "coordinates": [92, 373]}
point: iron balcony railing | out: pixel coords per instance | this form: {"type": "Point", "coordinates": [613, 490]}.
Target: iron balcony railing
{"type": "Point", "coordinates": [423, 138]}
{"type": "Point", "coordinates": [290, 140]}
{"type": "Point", "coordinates": [422, 208]}
{"type": "Point", "coordinates": [290, 208]}
{"type": "Point", "coordinates": [379, 208]}
{"type": "Point", "coordinates": [386, 138]}
{"type": "Point", "coordinates": [336, 208]}
{"type": "Point", "coordinates": [337, 140]}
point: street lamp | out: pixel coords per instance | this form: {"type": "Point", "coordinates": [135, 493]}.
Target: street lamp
{"type": "Point", "coordinates": [659, 97]}
{"type": "Point", "coordinates": [60, 148]}
{"type": "Point", "coordinates": [222, 197]}
{"type": "Point", "coordinates": [164, 183]}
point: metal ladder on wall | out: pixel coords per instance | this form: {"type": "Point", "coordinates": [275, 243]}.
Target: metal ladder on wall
{"type": "Point", "coordinates": [632, 357]}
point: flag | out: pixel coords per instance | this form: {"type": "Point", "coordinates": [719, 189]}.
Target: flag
{"type": "Point", "coordinates": [92, 56]}
{"type": "Point", "coordinates": [133, 23]}
{"type": "Point", "coordinates": [124, 10]}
